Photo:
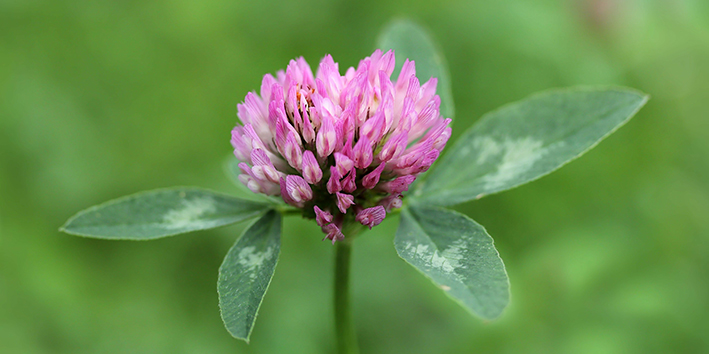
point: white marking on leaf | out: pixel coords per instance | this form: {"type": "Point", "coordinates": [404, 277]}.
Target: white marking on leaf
{"type": "Point", "coordinates": [455, 253]}
{"type": "Point", "coordinates": [447, 261]}
{"type": "Point", "coordinates": [519, 156]}
{"type": "Point", "coordinates": [488, 147]}
{"type": "Point", "coordinates": [440, 262]}
{"type": "Point", "coordinates": [421, 250]}
{"type": "Point", "coordinates": [189, 214]}
{"type": "Point", "coordinates": [252, 260]}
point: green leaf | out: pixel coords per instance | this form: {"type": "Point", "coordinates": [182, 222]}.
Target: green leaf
{"type": "Point", "coordinates": [525, 140]}
{"type": "Point", "coordinates": [246, 273]}
{"type": "Point", "coordinates": [409, 40]}
{"type": "Point", "coordinates": [162, 212]}
{"type": "Point", "coordinates": [457, 254]}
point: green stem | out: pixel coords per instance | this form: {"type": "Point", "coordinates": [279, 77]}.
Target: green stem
{"type": "Point", "coordinates": [346, 336]}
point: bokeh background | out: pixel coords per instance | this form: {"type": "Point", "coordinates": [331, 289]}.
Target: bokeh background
{"type": "Point", "coordinates": [99, 99]}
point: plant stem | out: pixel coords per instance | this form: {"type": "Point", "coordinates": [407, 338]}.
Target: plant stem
{"type": "Point", "coordinates": [346, 336]}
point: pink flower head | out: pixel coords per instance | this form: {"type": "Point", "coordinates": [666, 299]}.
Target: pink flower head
{"type": "Point", "coordinates": [342, 147]}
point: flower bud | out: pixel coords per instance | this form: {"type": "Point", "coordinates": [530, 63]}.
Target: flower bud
{"type": "Point", "coordinates": [327, 137]}
{"type": "Point", "coordinates": [398, 185]}
{"type": "Point", "coordinates": [371, 216]}
{"type": "Point", "coordinates": [333, 233]}
{"type": "Point", "coordinates": [298, 189]}
{"type": "Point", "coordinates": [333, 184]}
{"type": "Point", "coordinates": [293, 152]}
{"type": "Point", "coordinates": [394, 147]}
{"type": "Point", "coordinates": [311, 170]}
{"type": "Point", "coordinates": [371, 179]}
{"type": "Point", "coordinates": [344, 201]}
{"type": "Point", "coordinates": [343, 163]}
{"type": "Point", "coordinates": [322, 217]}
{"type": "Point", "coordinates": [348, 183]}
{"type": "Point", "coordinates": [391, 202]}
{"type": "Point", "coordinates": [363, 153]}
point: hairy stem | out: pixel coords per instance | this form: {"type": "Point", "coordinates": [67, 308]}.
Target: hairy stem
{"type": "Point", "coordinates": [346, 336]}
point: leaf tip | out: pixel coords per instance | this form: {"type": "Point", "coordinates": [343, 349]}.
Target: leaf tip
{"type": "Point", "coordinates": [66, 228]}
{"type": "Point", "coordinates": [246, 338]}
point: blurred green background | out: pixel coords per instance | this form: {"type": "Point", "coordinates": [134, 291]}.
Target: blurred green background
{"type": "Point", "coordinates": [104, 98]}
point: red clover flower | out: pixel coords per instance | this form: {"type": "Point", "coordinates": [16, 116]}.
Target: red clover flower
{"type": "Point", "coordinates": [341, 147]}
